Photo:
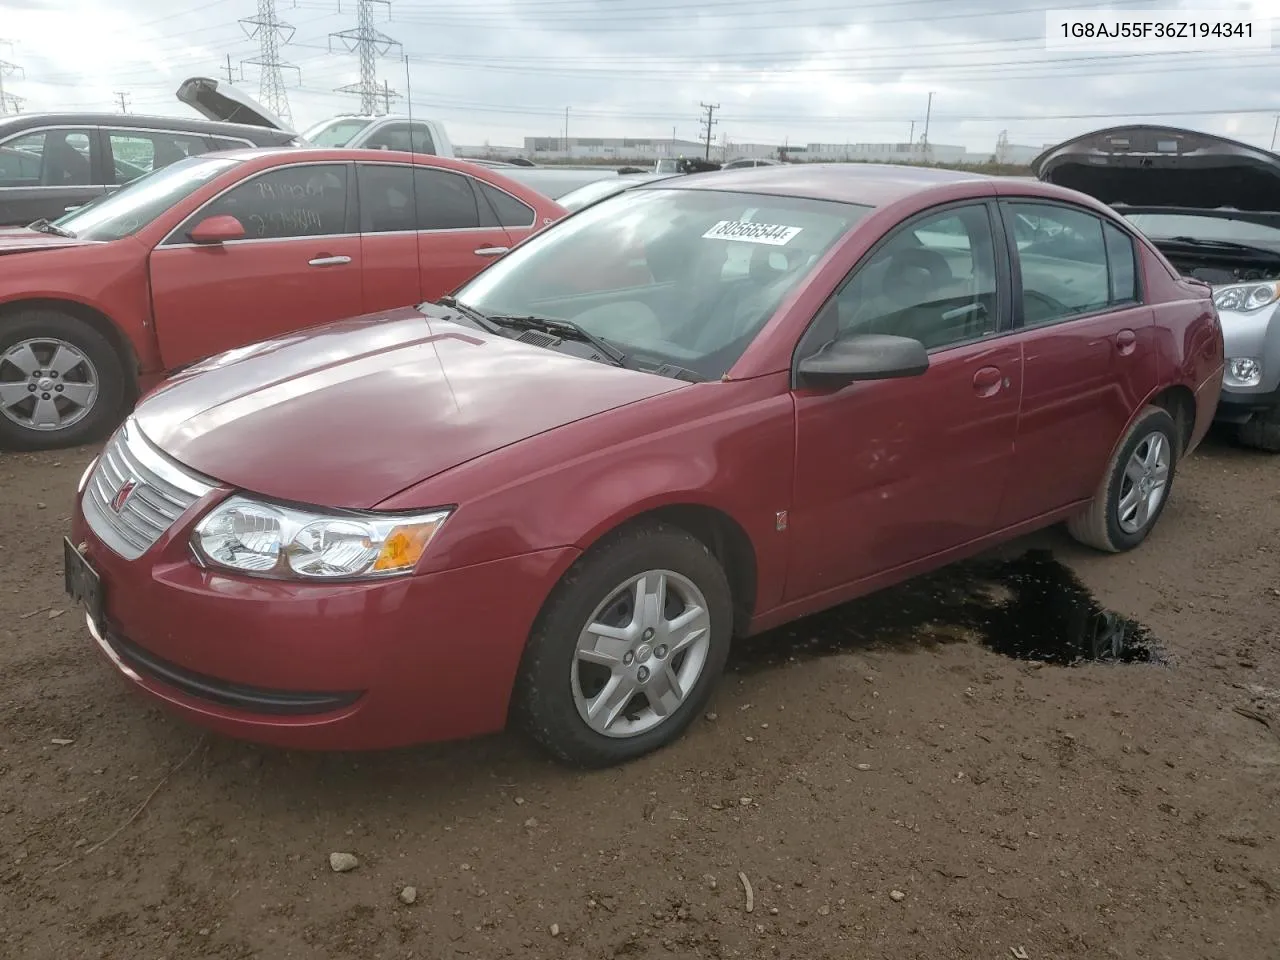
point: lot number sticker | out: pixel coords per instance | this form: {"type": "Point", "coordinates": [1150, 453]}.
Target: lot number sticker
{"type": "Point", "coordinates": [774, 234]}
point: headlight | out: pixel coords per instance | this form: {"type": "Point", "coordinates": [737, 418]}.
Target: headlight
{"type": "Point", "coordinates": [268, 540]}
{"type": "Point", "coordinates": [1246, 297]}
{"type": "Point", "coordinates": [1244, 371]}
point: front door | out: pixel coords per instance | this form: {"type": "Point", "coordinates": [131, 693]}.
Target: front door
{"type": "Point", "coordinates": [895, 471]}
{"type": "Point", "coordinates": [46, 173]}
{"type": "Point", "coordinates": [298, 266]}
{"type": "Point", "coordinates": [1089, 350]}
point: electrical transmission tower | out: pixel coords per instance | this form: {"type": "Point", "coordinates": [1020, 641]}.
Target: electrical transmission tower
{"type": "Point", "coordinates": [8, 101]}
{"type": "Point", "coordinates": [271, 33]}
{"type": "Point", "coordinates": [368, 43]}
{"type": "Point", "coordinates": [707, 124]}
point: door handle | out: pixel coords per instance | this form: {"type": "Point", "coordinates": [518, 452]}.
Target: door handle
{"type": "Point", "coordinates": [988, 381]}
{"type": "Point", "coordinates": [1126, 342]}
{"type": "Point", "coordinates": [327, 261]}
{"type": "Point", "coordinates": [491, 251]}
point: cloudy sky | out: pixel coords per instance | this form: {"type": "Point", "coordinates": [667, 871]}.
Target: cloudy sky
{"type": "Point", "coordinates": [781, 70]}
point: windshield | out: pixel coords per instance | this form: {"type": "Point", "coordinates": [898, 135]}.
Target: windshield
{"type": "Point", "coordinates": [1166, 225]}
{"type": "Point", "coordinates": [135, 205]}
{"type": "Point", "coordinates": [335, 133]}
{"type": "Point", "coordinates": [674, 276]}
{"type": "Point", "coordinates": [668, 165]}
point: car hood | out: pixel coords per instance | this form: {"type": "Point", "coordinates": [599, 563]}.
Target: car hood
{"type": "Point", "coordinates": [221, 101]}
{"type": "Point", "coordinates": [22, 239]}
{"type": "Point", "coordinates": [350, 413]}
{"type": "Point", "coordinates": [1164, 166]}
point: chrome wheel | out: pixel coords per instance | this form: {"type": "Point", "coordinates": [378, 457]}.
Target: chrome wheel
{"type": "Point", "coordinates": [46, 384]}
{"type": "Point", "coordinates": [641, 654]}
{"type": "Point", "coordinates": [1146, 477]}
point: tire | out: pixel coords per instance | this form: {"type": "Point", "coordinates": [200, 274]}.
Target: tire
{"type": "Point", "coordinates": [554, 686]}
{"type": "Point", "coordinates": [1101, 526]}
{"type": "Point", "coordinates": [1262, 431]}
{"type": "Point", "coordinates": [43, 337]}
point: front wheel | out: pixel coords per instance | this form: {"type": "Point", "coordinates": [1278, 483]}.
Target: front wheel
{"type": "Point", "coordinates": [628, 648]}
{"type": "Point", "coordinates": [1135, 488]}
{"type": "Point", "coordinates": [61, 383]}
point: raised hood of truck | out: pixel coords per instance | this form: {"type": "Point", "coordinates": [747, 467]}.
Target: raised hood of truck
{"type": "Point", "coordinates": [1153, 166]}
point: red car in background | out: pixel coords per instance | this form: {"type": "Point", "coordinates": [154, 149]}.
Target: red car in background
{"type": "Point", "coordinates": [222, 250]}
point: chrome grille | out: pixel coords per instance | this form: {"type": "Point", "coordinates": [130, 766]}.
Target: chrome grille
{"type": "Point", "coordinates": [162, 492]}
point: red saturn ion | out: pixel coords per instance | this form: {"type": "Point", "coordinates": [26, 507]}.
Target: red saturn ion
{"type": "Point", "coordinates": [559, 501]}
{"type": "Point", "coordinates": [220, 250]}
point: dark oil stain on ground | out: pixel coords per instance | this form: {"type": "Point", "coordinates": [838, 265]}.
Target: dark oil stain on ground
{"type": "Point", "coordinates": [1031, 607]}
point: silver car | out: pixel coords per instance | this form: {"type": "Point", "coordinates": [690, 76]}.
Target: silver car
{"type": "Point", "coordinates": [1212, 207]}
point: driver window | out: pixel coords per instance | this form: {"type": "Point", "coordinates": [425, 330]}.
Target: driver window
{"type": "Point", "coordinates": [933, 281]}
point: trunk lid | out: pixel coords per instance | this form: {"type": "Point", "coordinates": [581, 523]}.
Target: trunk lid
{"type": "Point", "coordinates": [224, 103]}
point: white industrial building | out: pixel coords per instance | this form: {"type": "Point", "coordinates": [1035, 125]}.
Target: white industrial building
{"type": "Point", "coordinates": [647, 150]}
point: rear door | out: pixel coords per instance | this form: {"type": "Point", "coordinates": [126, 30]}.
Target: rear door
{"type": "Point", "coordinates": [298, 266]}
{"type": "Point", "coordinates": [46, 172]}
{"type": "Point", "coordinates": [388, 236]}
{"type": "Point", "coordinates": [1089, 350]}
{"type": "Point", "coordinates": [132, 153]}
{"type": "Point", "coordinates": [458, 235]}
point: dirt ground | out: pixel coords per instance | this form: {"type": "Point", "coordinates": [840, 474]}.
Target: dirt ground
{"type": "Point", "coordinates": [886, 799]}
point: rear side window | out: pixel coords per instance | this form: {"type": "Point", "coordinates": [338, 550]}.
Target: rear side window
{"type": "Point", "coordinates": [1122, 258]}
{"type": "Point", "coordinates": [1062, 256]}
{"type": "Point", "coordinates": [135, 153]}
{"type": "Point", "coordinates": [409, 137]}
{"type": "Point", "coordinates": [445, 200]}
{"type": "Point", "coordinates": [509, 211]}
{"type": "Point", "coordinates": [49, 158]}
{"type": "Point", "coordinates": [386, 198]}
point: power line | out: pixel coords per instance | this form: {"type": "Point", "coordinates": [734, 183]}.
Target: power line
{"type": "Point", "coordinates": [8, 69]}
{"type": "Point", "coordinates": [270, 32]}
{"type": "Point", "coordinates": [368, 43]}
{"type": "Point", "coordinates": [708, 123]}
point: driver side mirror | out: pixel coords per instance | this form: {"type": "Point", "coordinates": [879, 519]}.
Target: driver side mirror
{"type": "Point", "coordinates": [866, 357]}
{"type": "Point", "coordinates": [219, 229]}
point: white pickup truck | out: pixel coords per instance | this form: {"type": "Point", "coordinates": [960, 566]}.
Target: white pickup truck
{"type": "Point", "coordinates": [221, 101]}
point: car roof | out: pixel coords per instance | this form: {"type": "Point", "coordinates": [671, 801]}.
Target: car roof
{"type": "Point", "coordinates": [25, 121]}
{"type": "Point", "coordinates": [871, 184]}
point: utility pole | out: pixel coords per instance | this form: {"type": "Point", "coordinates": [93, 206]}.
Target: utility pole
{"type": "Point", "coordinates": [707, 124]}
{"type": "Point", "coordinates": [386, 96]}
{"type": "Point", "coordinates": [911, 138]}
{"type": "Point", "coordinates": [1273, 129]}
{"type": "Point", "coordinates": [124, 101]}
{"type": "Point", "coordinates": [230, 77]}
{"type": "Point", "coordinates": [924, 140]}
{"type": "Point", "coordinates": [566, 128]}
{"type": "Point", "coordinates": [368, 43]}
{"type": "Point", "coordinates": [8, 69]}
{"type": "Point", "coordinates": [271, 33]}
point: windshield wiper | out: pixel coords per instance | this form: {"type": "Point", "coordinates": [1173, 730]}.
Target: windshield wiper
{"type": "Point", "coordinates": [564, 328]}
{"type": "Point", "coordinates": [471, 313]}
{"type": "Point", "coordinates": [44, 226]}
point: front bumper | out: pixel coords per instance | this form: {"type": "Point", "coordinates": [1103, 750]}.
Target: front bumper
{"type": "Point", "coordinates": [1257, 336]}
{"type": "Point", "coordinates": [328, 667]}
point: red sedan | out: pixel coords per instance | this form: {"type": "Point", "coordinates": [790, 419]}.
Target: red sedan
{"type": "Point", "coordinates": [222, 250]}
{"type": "Point", "coordinates": [561, 499]}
